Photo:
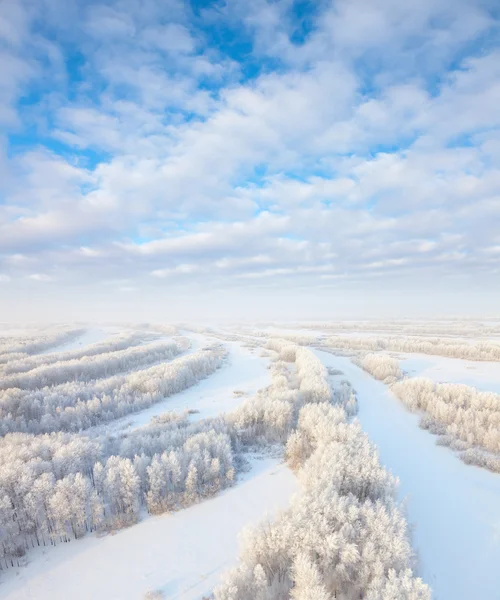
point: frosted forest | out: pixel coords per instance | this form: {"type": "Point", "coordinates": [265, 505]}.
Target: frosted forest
{"type": "Point", "coordinates": [280, 461]}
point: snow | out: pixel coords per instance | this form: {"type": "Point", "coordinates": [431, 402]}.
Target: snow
{"type": "Point", "coordinates": [90, 336]}
{"type": "Point", "coordinates": [454, 508]}
{"type": "Point", "coordinates": [245, 371]}
{"type": "Point", "coordinates": [482, 375]}
{"type": "Point", "coordinates": [182, 554]}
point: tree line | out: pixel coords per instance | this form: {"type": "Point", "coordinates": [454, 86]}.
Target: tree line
{"type": "Point", "coordinates": [115, 343]}
{"type": "Point", "coordinates": [464, 418]}
{"type": "Point", "coordinates": [469, 328]}
{"type": "Point", "coordinates": [91, 367]}
{"type": "Point", "coordinates": [18, 347]}
{"type": "Point", "coordinates": [76, 406]}
{"type": "Point", "coordinates": [480, 351]}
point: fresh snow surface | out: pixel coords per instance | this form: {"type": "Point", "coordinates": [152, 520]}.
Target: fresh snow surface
{"type": "Point", "coordinates": [182, 554]}
{"type": "Point", "coordinates": [482, 375]}
{"type": "Point", "coordinates": [245, 371]}
{"type": "Point", "coordinates": [454, 508]}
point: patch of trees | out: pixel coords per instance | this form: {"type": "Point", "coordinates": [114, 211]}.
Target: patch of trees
{"type": "Point", "coordinates": [314, 386]}
{"type": "Point", "coordinates": [114, 344]}
{"type": "Point", "coordinates": [382, 367]}
{"type": "Point", "coordinates": [483, 350]}
{"type": "Point", "coordinates": [268, 417]}
{"type": "Point", "coordinates": [466, 419]}
{"type": "Point", "coordinates": [94, 367]}
{"type": "Point", "coordinates": [17, 347]}
{"type": "Point", "coordinates": [343, 536]}
{"type": "Point", "coordinates": [297, 377]}
{"type": "Point", "coordinates": [76, 406]}
{"type": "Point", "coordinates": [57, 487]}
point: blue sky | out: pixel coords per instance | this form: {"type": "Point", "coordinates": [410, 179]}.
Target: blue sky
{"type": "Point", "coordinates": [163, 158]}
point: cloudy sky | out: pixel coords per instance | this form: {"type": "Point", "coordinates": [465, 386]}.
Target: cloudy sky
{"type": "Point", "coordinates": [164, 159]}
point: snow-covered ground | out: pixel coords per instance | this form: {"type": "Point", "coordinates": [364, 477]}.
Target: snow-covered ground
{"type": "Point", "coordinates": [246, 371]}
{"type": "Point", "coordinates": [454, 508]}
{"type": "Point", "coordinates": [182, 554]}
{"type": "Point", "coordinates": [482, 375]}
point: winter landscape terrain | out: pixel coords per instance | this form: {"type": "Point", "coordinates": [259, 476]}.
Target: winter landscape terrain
{"type": "Point", "coordinates": [298, 460]}
{"type": "Point", "coordinates": [249, 291]}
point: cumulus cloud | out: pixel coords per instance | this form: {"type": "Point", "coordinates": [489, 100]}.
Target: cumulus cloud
{"type": "Point", "coordinates": [42, 277]}
{"type": "Point", "coordinates": [354, 143]}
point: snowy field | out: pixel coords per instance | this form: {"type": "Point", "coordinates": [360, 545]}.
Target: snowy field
{"type": "Point", "coordinates": [482, 375]}
{"type": "Point", "coordinates": [240, 397]}
{"type": "Point", "coordinates": [245, 373]}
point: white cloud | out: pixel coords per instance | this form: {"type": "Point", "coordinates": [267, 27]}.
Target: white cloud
{"type": "Point", "coordinates": [42, 277]}
{"type": "Point", "coordinates": [356, 152]}
{"type": "Point", "coordinates": [90, 252]}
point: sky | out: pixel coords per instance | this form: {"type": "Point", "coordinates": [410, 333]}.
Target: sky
{"type": "Point", "coordinates": [281, 159]}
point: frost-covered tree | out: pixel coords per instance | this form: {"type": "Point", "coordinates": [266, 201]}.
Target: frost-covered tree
{"type": "Point", "coordinates": [466, 419]}
{"type": "Point", "coordinates": [77, 405]}
{"type": "Point", "coordinates": [483, 350]}
{"type": "Point", "coordinates": [381, 366]}
{"type": "Point", "coordinates": [307, 582]}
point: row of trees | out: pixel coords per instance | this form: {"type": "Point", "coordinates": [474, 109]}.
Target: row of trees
{"type": "Point", "coordinates": [465, 418]}
{"type": "Point", "coordinates": [115, 343]}
{"type": "Point", "coordinates": [483, 350]}
{"type": "Point", "coordinates": [298, 377]}
{"type": "Point", "coordinates": [382, 367]}
{"type": "Point", "coordinates": [18, 347]}
{"type": "Point", "coordinates": [268, 417]}
{"type": "Point", "coordinates": [344, 536]}
{"type": "Point", "coordinates": [404, 327]}
{"type": "Point", "coordinates": [299, 339]}
{"type": "Point", "coordinates": [76, 406]}
{"type": "Point", "coordinates": [54, 488]}
{"type": "Point", "coordinates": [92, 367]}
